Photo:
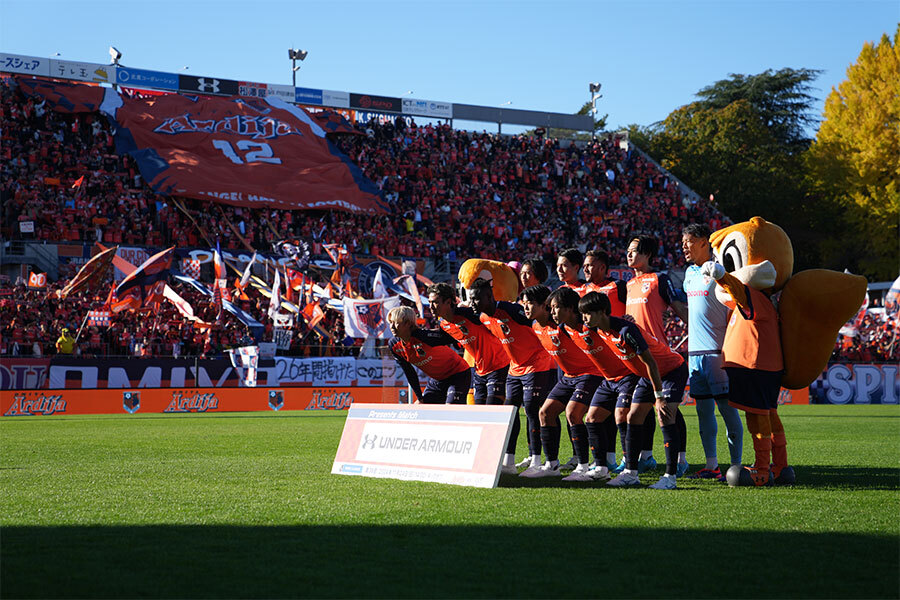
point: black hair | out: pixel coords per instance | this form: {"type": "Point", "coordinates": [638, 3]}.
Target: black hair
{"type": "Point", "coordinates": [697, 230]}
{"type": "Point", "coordinates": [600, 255]}
{"type": "Point", "coordinates": [573, 255]}
{"type": "Point", "coordinates": [646, 244]}
{"type": "Point", "coordinates": [594, 302]}
{"type": "Point", "coordinates": [444, 291]}
{"type": "Point", "coordinates": [538, 268]}
{"type": "Point", "coordinates": [565, 297]}
{"type": "Point", "coordinates": [536, 293]}
{"type": "Point", "coordinates": [480, 284]}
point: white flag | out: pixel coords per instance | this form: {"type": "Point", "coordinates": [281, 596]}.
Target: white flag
{"type": "Point", "coordinates": [246, 276]}
{"type": "Point", "coordinates": [275, 304]}
{"type": "Point", "coordinates": [379, 288]}
{"type": "Point", "coordinates": [368, 318]}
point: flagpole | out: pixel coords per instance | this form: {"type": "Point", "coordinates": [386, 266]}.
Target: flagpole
{"type": "Point", "coordinates": [83, 321]}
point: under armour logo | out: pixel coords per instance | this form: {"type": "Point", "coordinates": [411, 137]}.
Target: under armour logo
{"type": "Point", "coordinates": [208, 86]}
{"type": "Point", "coordinates": [369, 441]}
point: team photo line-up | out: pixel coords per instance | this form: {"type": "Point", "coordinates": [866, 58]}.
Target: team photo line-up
{"type": "Point", "coordinates": [595, 352]}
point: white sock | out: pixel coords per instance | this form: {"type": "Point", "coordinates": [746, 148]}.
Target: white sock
{"type": "Point", "coordinates": [582, 467]}
{"type": "Point", "coordinates": [611, 458]}
{"type": "Point", "coordinates": [629, 472]}
{"type": "Point", "coordinates": [669, 475]}
{"type": "Point", "coordinates": [712, 463]}
{"type": "Point", "coordinates": [535, 460]}
{"type": "Point", "coordinates": [553, 463]}
{"type": "Point", "coordinates": [645, 454]}
{"type": "Point", "coordinates": [509, 460]}
{"type": "Point", "coordinates": [604, 470]}
{"type": "Point", "coordinates": [682, 457]}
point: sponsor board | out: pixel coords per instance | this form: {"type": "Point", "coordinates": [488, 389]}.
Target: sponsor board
{"type": "Point", "coordinates": [336, 99]}
{"type": "Point", "coordinates": [143, 78]}
{"type": "Point", "coordinates": [458, 445]}
{"type": "Point", "coordinates": [307, 96]}
{"type": "Point", "coordinates": [29, 65]}
{"type": "Point", "coordinates": [372, 103]}
{"type": "Point", "coordinates": [82, 71]}
{"type": "Point", "coordinates": [427, 108]}
{"type": "Point", "coordinates": [189, 400]}
{"type": "Point", "coordinates": [207, 85]}
{"type": "Point", "coordinates": [857, 384]}
{"type": "Point", "coordinates": [24, 373]}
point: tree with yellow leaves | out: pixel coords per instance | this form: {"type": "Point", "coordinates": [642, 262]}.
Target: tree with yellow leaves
{"type": "Point", "coordinates": [855, 159]}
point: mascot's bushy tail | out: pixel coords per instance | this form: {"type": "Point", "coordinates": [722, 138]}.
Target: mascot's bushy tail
{"type": "Point", "coordinates": [814, 305]}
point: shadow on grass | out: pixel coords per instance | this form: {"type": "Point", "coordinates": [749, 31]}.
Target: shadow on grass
{"type": "Point", "coordinates": [808, 476]}
{"type": "Point", "coordinates": [453, 561]}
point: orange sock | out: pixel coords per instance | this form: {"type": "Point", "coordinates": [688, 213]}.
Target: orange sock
{"type": "Point", "coordinates": [761, 429]}
{"type": "Point", "coordinates": [779, 443]}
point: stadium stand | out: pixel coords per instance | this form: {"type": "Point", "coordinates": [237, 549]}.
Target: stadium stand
{"type": "Point", "coordinates": [453, 194]}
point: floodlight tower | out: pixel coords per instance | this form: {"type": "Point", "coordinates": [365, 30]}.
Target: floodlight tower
{"type": "Point", "coordinates": [114, 55]}
{"type": "Point", "coordinates": [594, 89]}
{"type": "Point", "coordinates": [296, 55]}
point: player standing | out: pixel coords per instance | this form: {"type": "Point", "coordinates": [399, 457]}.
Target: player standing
{"type": "Point", "coordinates": [574, 390]}
{"type": "Point", "coordinates": [663, 374]}
{"type": "Point", "coordinates": [463, 325]}
{"type": "Point", "coordinates": [707, 321]}
{"type": "Point", "coordinates": [531, 370]}
{"type": "Point", "coordinates": [430, 351]}
{"type": "Point", "coordinates": [649, 293]}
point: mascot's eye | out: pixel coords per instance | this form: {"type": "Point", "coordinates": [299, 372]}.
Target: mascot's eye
{"type": "Point", "coordinates": [732, 258]}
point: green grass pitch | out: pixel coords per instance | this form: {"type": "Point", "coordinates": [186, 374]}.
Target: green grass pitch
{"type": "Point", "coordinates": [244, 505]}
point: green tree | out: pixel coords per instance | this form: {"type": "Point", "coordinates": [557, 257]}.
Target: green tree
{"type": "Point", "coordinates": [743, 141]}
{"type": "Point", "coordinates": [855, 160]}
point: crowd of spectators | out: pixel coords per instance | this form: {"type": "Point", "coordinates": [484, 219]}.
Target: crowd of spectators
{"type": "Point", "coordinates": [453, 194]}
{"type": "Point", "coordinates": [876, 339]}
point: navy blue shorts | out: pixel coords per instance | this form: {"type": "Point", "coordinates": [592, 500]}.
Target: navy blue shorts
{"type": "Point", "coordinates": [529, 388]}
{"type": "Point", "coordinates": [615, 394]}
{"type": "Point", "coordinates": [452, 390]}
{"type": "Point", "coordinates": [753, 391]}
{"type": "Point", "coordinates": [490, 387]}
{"type": "Point", "coordinates": [673, 387]}
{"type": "Point", "coordinates": [575, 389]}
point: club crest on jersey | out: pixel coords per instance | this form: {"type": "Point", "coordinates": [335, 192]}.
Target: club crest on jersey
{"type": "Point", "coordinates": [588, 340]}
{"type": "Point", "coordinates": [131, 402]}
{"type": "Point", "coordinates": [505, 328]}
{"type": "Point", "coordinates": [370, 316]}
{"type": "Point", "coordinates": [420, 351]}
{"type": "Point", "coordinates": [463, 329]}
{"type": "Point", "coordinates": [645, 286]}
{"type": "Point", "coordinates": [555, 340]}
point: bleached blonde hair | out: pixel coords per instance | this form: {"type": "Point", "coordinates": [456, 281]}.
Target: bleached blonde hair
{"type": "Point", "coordinates": [400, 314]}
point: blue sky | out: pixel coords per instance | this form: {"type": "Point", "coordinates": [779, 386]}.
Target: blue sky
{"type": "Point", "coordinates": [650, 56]}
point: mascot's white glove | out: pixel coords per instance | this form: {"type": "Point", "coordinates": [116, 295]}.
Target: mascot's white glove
{"type": "Point", "coordinates": [713, 269]}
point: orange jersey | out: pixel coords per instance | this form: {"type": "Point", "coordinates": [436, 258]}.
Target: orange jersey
{"type": "Point", "coordinates": [649, 294]}
{"type": "Point", "coordinates": [615, 289]}
{"type": "Point", "coordinates": [563, 350]}
{"type": "Point", "coordinates": [752, 340]}
{"type": "Point", "coordinates": [429, 350]}
{"type": "Point", "coordinates": [465, 327]}
{"type": "Point", "coordinates": [509, 325]}
{"type": "Point", "coordinates": [628, 341]}
{"type": "Point", "coordinates": [593, 346]}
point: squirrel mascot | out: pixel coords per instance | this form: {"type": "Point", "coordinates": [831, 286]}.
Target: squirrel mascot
{"type": "Point", "coordinates": [768, 346]}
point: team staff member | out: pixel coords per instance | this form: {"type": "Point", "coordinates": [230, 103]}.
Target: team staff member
{"type": "Point", "coordinates": [430, 350]}
{"type": "Point", "coordinates": [573, 391]}
{"type": "Point", "coordinates": [663, 375]}
{"type": "Point", "coordinates": [463, 325]}
{"type": "Point", "coordinates": [531, 370]}
{"type": "Point", "coordinates": [649, 293]}
{"type": "Point", "coordinates": [707, 321]}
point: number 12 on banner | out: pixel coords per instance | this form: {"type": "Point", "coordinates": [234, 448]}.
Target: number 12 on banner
{"type": "Point", "coordinates": [258, 152]}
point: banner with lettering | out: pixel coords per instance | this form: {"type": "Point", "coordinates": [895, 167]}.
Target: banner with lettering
{"type": "Point", "coordinates": [251, 152]}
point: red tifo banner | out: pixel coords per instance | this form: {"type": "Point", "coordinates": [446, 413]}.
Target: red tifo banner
{"type": "Point", "coordinates": [257, 153]}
